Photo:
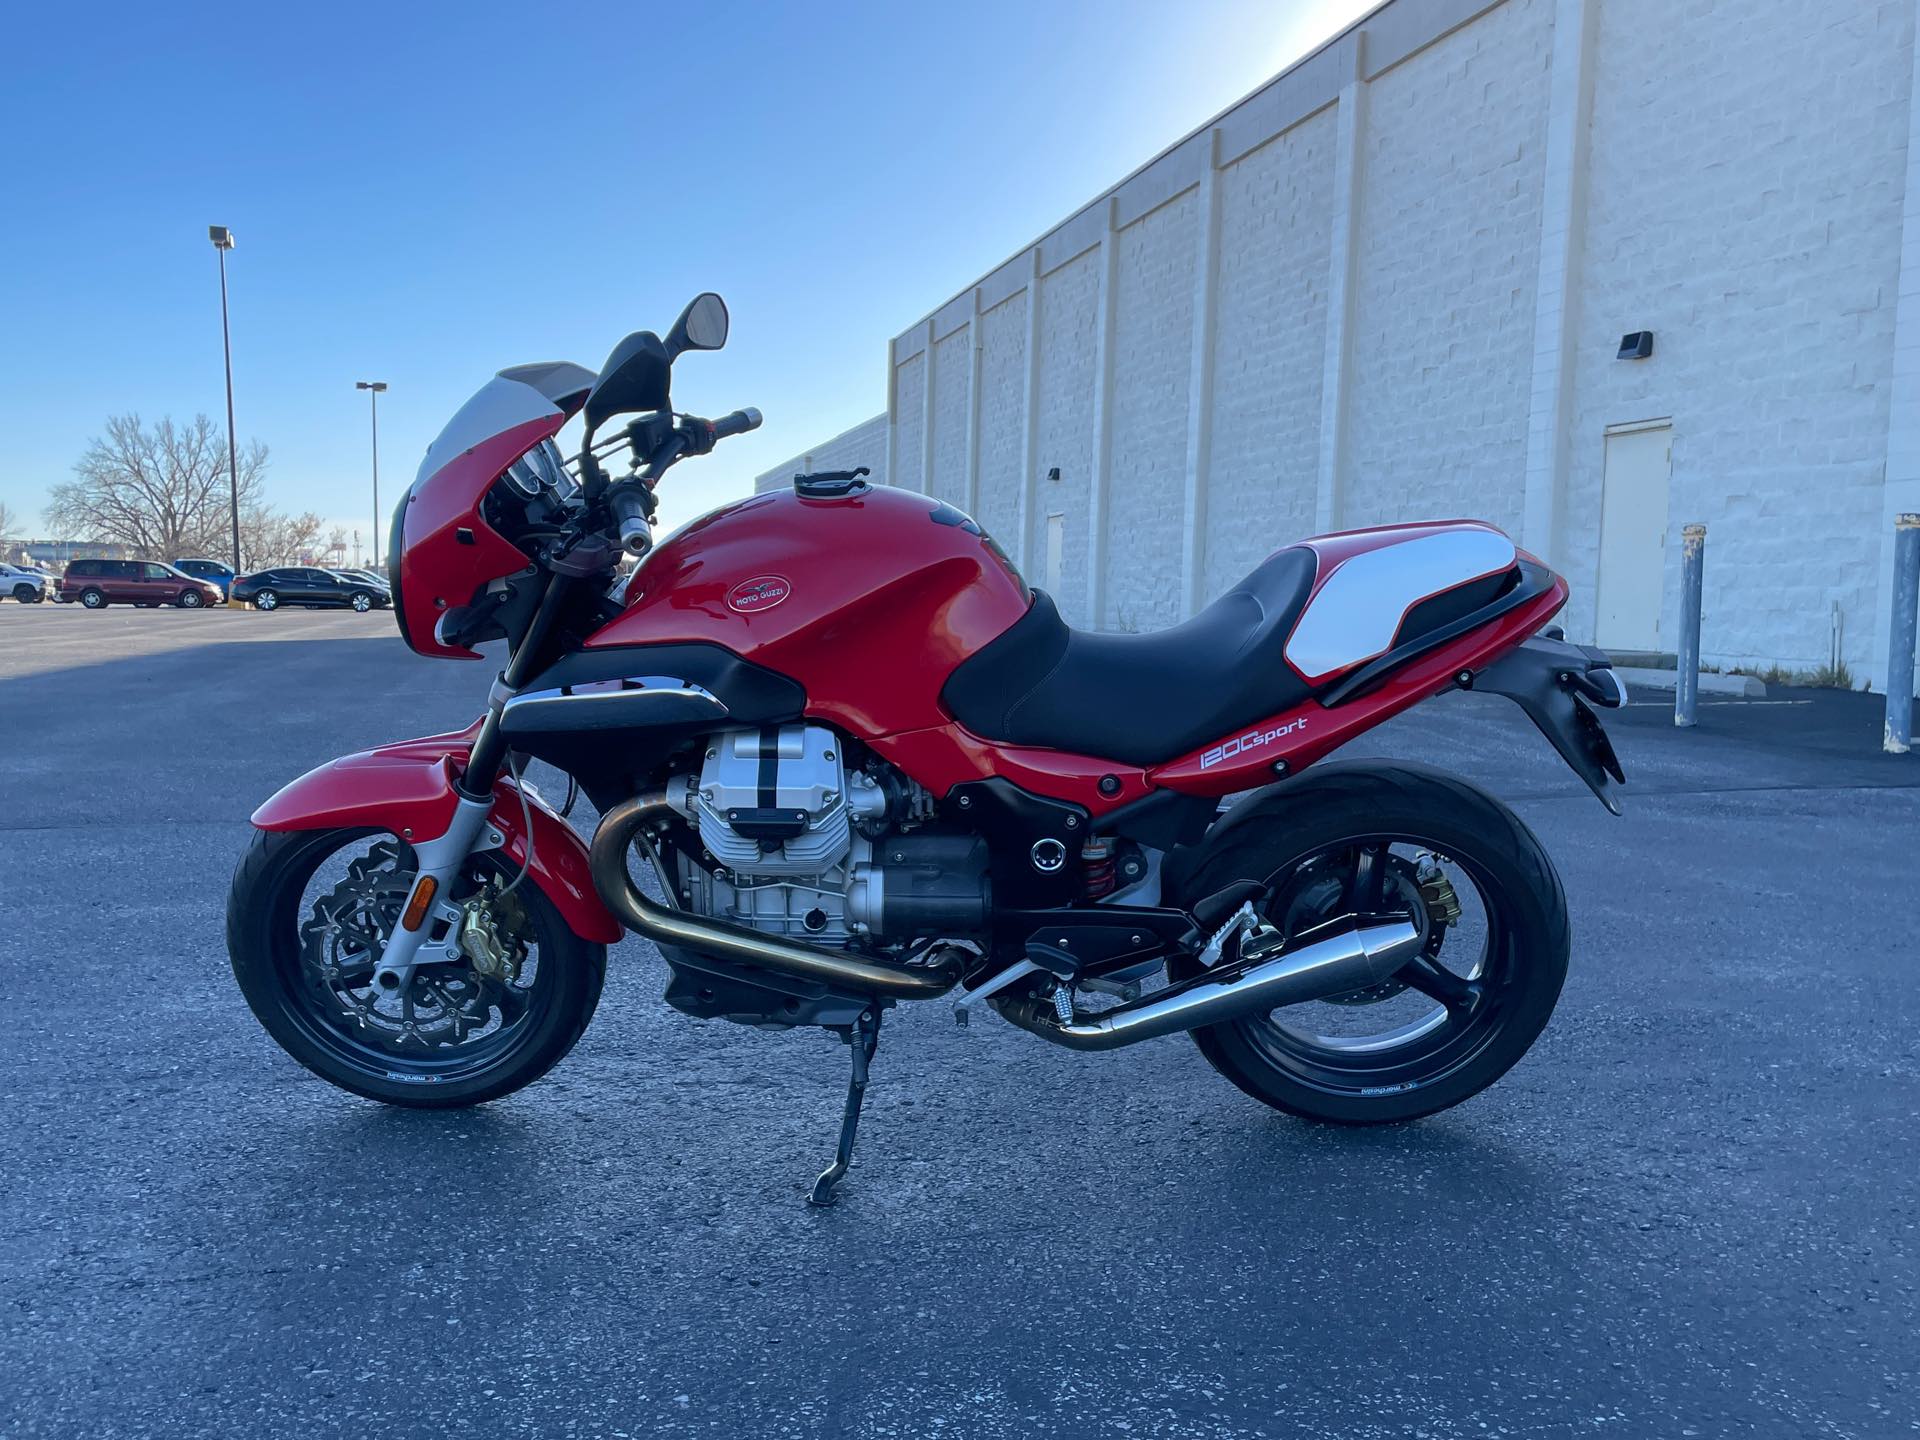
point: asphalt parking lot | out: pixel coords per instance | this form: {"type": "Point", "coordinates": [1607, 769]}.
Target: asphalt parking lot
{"type": "Point", "coordinates": [1691, 1211]}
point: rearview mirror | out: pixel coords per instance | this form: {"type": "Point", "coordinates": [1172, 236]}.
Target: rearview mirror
{"type": "Point", "coordinates": [637, 376]}
{"type": "Point", "coordinates": [701, 326]}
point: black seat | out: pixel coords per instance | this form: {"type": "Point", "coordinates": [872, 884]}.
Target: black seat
{"type": "Point", "coordinates": [1140, 699]}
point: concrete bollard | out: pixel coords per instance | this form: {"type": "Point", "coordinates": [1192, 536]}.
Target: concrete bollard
{"type": "Point", "coordinates": [1906, 602]}
{"type": "Point", "coordinates": [1686, 688]}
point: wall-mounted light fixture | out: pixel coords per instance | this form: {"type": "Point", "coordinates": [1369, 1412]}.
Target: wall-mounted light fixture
{"type": "Point", "coordinates": [1636, 346]}
{"type": "Point", "coordinates": [1054, 473]}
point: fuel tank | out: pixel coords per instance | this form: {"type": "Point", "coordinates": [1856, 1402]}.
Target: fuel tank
{"type": "Point", "coordinates": [868, 599]}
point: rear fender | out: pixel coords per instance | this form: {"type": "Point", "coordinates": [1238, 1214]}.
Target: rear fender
{"type": "Point", "coordinates": [408, 789]}
{"type": "Point", "coordinates": [1552, 681]}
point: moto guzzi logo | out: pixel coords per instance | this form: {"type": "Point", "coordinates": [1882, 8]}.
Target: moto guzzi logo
{"type": "Point", "coordinates": [1252, 740]}
{"type": "Point", "coordinates": [762, 592]}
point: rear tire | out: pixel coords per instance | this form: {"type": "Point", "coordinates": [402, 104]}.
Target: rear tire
{"type": "Point", "coordinates": [265, 917]}
{"type": "Point", "coordinates": [266, 600]}
{"type": "Point", "coordinates": [1527, 944]}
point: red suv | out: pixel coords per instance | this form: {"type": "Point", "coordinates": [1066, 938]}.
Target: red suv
{"type": "Point", "coordinates": [99, 583]}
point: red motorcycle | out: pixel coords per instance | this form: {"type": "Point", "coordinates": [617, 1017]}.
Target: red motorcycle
{"type": "Point", "coordinates": [860, 760]}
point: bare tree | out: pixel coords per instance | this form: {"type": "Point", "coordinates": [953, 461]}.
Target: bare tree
{"type": "Point", "coordinates": [270, 537]}
{"type": "Point", "coordinates": [9, 522]}
{"type": "Point", "coordinates": [161, 491]}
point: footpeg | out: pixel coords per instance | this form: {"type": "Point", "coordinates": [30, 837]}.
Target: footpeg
{"type": "Point", "coordinates": [862, 1040]}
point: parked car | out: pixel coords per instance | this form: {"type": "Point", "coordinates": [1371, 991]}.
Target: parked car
{"type": "Point", "coordinates": [214, 572]}
{"type": "Point", "coordinates": [146, 583]}
{"type": "Point", "coordinates": [29, 587]}
{"type": "Point", "coordinates": [310, 586]}
{"type": "Point", "coordinates": [372, 577]}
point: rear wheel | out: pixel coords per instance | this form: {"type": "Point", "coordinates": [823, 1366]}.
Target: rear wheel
{"type": "Point", "coordinates": [93, 599]}
{"type": "Point", "coordinates": [266, 600]}
{"type": "Point", "coordinates": [1409, 841]}
{"type": "Point", "coordinates": [308, 916]}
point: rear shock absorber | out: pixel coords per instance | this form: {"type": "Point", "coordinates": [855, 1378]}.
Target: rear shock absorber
{"type": "Point", "coordinates": [1096, 866]}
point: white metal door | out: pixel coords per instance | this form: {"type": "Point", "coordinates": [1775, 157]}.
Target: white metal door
{"type": "Point", "coordinates": [1056, 545]}
{"type": "Point", "coordinates": [1633, 537]}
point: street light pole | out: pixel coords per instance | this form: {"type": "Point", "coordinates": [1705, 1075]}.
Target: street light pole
{"type": "Point", "coordinates": [373, 389]}
{"type": "Point", "coordinates": [222, 239]}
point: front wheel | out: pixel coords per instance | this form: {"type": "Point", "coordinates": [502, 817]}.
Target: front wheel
{"type": "Point", "coordinates": [1405, 840]}
{"type": "Point", "coordinates": [93, 599]}
{"type": "Point", "coordinates": [190, 600]}
{"type": "Point", "coordinates": [361, 602]}
{"type": "Point", "coordinates": [307, 918]}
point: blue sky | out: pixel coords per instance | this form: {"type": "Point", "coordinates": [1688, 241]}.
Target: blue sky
{"type": "Point", "coordinates": [424, 194]}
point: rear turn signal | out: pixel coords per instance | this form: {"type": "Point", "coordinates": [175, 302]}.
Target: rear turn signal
{"type": "Point", "coordinates": [417, 905]}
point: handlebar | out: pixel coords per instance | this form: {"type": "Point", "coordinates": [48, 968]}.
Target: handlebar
{"type": "Point", "coordinates": [738, 423]}
{"type": "Point", "coordinates": [632, 510]}
{"type": "Point", "coordinates": [629, 508]}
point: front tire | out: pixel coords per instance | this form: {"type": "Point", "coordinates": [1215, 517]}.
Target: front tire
{"type": "Point", "coordinates": [93, 599]}
{"type": "Point", "coordinates": [1480, 1017]}
{"type": "Point", "coordinates": [301, 985]}
{"type": "Point", "coordinates": [190, 600]}
{"type": "Point", "coordinates": [362, 602]}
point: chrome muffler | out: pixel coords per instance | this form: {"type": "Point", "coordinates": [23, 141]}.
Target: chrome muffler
{"type": "Point", "coordinates": [1349, 958]}
{"type": "Point", "coordinates": [607, 860]}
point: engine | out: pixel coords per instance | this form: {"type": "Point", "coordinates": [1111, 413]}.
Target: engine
{"type": "Point", "coordinates": [802, 845]}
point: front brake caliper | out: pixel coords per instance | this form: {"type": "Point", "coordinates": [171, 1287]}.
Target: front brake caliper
{"type": "Point", "coordinates": [494, 949]}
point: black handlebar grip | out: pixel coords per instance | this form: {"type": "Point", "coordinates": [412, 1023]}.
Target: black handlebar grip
{"type": "Point", "coordinates": [738, 423]}
{"type": "Point", "coordinates": [629, 508]}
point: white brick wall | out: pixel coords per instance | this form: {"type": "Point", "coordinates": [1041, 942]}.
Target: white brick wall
{"type": "Point", "coordinates": [1068, 301]}
{"type": "Point", "coordinates": [865, 444]}
{"type": "Point", "coordinates": [1732, 174]}
{"type": "Point", "coordinates": [1448, 247]}
{"type": "Point", "coordinates": [1268, 343]}
{"type": "Point", "coordinates": [951, 361]}
{"type": "Point", "coordinates": [1003, 410]}
{"type": "Point", "coordinates": [1153, 318]}
{"type": "Point", "coordinates": [1744, 198]}
{"type": "Point", "coordinates": [908, 399]}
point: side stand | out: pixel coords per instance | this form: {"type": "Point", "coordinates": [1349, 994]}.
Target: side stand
{"type": "Point", "coordinates": [861, 1041]}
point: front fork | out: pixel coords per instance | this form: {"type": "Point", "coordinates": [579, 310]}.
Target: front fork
{"type": "Point", "coordinates": [439, 863]}
{"type": "Point", "coordinates": [441, 859]}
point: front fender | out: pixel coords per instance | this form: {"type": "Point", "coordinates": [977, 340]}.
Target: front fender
{"type": "Point", "coordinates": [408, 789]}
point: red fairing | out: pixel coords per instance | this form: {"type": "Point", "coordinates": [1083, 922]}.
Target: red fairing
{"type": "Point", "coordinates": [869, 600]}
{"type": "Point", "coordinates": [408, 789]}
{"type": "Point", "coordinates": [949, 755]}
{"type": "Point", "coordinates": [1309, 732]}
{"type": "Point", "coordinates": [440, 570]}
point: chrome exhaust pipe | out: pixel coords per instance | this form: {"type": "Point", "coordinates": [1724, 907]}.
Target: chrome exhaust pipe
{"type": "Point", "coordinates": [1354, 957]}
{"type": "Point", "coordinates": [608, 863]}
